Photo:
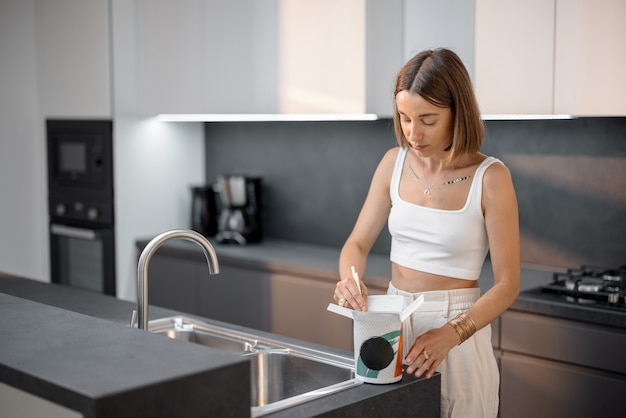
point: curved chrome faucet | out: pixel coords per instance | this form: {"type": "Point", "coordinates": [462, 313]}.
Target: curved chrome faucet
{"type": "Point", "coordinates": [146, 255]}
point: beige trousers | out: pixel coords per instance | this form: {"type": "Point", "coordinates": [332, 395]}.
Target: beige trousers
{"type": "Point", "coordinates": [469, 375]}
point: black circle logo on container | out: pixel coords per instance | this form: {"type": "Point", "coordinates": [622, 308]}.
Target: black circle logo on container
{"type": "Point", "coordinates": [376, 353]}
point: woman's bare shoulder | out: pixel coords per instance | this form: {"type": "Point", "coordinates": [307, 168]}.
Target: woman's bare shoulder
{"type": "Point", "coordinates": [498, 182]}
{"type": "Point", "coordinates": [384, 171]}
{"type": "Point", "coordinates": [390, 156]}
{"type": "Point", "coordinates": [388, 161]}
{"type": "Point", "coordinates": [497, 172]}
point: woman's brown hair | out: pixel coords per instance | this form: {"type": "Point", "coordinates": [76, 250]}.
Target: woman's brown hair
{"type": "Point", "coordinates": [440, 77]}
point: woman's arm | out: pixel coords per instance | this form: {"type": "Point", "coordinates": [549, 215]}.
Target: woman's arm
{"type": "Point", "coordinates": [501, 221]}
{"type": "Point", "coordinates": [369, 224]}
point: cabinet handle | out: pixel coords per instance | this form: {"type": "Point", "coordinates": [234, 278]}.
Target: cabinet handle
{"type": "Point", "coordinates": [72, 232]}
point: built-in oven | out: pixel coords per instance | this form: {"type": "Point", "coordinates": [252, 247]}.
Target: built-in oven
{"type": "Point", "coordinates": [83, 257]}
{"type": "Point", "coordinates": [81, 203]}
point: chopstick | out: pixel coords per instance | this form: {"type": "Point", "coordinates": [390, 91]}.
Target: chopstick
{"type": "Point", "coordinates": [355, 276]}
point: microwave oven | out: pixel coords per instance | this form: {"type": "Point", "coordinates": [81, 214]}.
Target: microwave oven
{"type": "Point", "coordinates": [80, 154]}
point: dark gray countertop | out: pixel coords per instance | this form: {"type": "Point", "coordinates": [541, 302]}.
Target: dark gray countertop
{"type": "Point", "coordinates": [281, 256]}
{"type": "Point", "coordinates": [103, 369]}
{"type": "Point", "coordinates": [322, 262]}
{"type": "Point", "coordinates": [312, 260]}
{"type": "Point", "coordinates": [534, 301]}
{"type": "Point", "coordinates": [80, 353]}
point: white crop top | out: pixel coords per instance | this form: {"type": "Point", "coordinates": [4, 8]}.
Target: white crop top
{"type": "Point", "coordinates": [450, 243]}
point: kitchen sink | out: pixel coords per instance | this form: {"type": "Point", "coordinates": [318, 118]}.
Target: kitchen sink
{"type": "Point", "coordinates": [281, 374]}
{"type": "Point", "coordinates": [185, 329]}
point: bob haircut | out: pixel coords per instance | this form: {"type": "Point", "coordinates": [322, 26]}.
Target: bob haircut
{"type": "Point", "coordinates": [440, 77]}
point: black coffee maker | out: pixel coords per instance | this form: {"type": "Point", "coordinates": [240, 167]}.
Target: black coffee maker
{"type": "Point", "coordinates": [240, 209]}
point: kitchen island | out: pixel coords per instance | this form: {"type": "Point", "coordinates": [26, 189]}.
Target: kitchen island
{"type": "Point", "coordinates": [556, 358]}
{"type": "Point", "coordinates": [74, 348]}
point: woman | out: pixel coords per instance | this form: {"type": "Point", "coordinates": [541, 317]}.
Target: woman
{"type": "Point", "coordinates": [446, 205]}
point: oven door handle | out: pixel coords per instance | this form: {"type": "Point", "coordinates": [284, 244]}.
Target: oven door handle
{"type": "Point", "coordinates": [72, 232]}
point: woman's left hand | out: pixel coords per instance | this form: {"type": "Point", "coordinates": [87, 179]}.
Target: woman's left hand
{"type": "Point", "coordinates": [430, 349]}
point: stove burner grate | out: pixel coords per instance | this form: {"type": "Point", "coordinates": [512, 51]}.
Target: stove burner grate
{"type": "Point", "coordinates": [591, 285]}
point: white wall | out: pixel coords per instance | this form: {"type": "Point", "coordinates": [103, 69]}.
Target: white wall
{"type": "Point", "coordinates": [23, 210]}
{"type": "Point", "coordinates": [154, 163]}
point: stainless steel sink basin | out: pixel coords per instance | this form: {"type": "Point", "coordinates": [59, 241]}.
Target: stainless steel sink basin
{"type": "Point", "coordinates": [278, 376]}
{"type": "Point", "coordinates": [281, 375]}
{"type": "Point", "coordinates": [185, 329]}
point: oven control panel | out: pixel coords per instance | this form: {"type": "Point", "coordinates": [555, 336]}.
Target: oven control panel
{"type": "Point", "coordinates": [76, 209]}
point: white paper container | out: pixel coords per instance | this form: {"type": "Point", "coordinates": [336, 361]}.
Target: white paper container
{"type": "Point", "coordinates": [378, 337]}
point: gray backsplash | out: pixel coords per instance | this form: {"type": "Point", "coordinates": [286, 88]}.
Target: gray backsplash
{"type": "Point", "coordinates": [570, 177]}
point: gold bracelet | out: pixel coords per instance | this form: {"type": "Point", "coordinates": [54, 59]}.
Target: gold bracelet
{"type": "Point", "coordinates": [463, 325]}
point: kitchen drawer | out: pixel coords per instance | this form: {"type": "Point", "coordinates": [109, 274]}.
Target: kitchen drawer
{"type": "Point", "coordinates": [235, 295]}
{"type": "Point", "coordinates": [537, 388]}
{"type": "Point", "coordinates": [567, 341]}
{"type": "Point", "coordinates": [298, 310]}
{"type": "Point", "coordinates": [495, 333]}
{"type": "Point", "coordinates": [172, 283]}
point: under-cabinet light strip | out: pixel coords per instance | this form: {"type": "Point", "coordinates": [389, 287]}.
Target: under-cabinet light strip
{"type": "Point", "coordinates": [263, 117]}
{"type": "Point", "coordinates": [290, 117]}
{"type": "Point", "coordinates": [524, 117]}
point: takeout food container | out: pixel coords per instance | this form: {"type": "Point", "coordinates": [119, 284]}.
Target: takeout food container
{"type": "Point", "coordinates": [378, 336]}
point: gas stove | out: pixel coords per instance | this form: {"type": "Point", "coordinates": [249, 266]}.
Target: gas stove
{"type": "Point", "coordinates": [590, 285]}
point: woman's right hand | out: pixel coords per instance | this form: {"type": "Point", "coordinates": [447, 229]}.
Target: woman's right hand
{"type": "Point", "coordinates": [347, 294]}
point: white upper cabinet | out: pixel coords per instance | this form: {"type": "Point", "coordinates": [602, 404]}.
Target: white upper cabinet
{"type": "Point", "coordinates": [73, 58]}
{"type": "Point", "coordinates": [322, 56]}
{"type": "Point", "coordinates": [551, 57]}
{"type": "Point", "coordinates": [384, 34]}
{"type": "Point", "coordinates": [514, 56]}
{"type": "Point", "coordinates": [432, 24]}
{"type": "Point", "coordinates": [590, 75]}
{"type": "Point", "coordinates": [202, 56]}
{"type": "Point", "coordinates": [250, 56]}
{"type": "Point", "coordinates": [340, 57]}
{"type": "Point", "coordinates": [343, 57]}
